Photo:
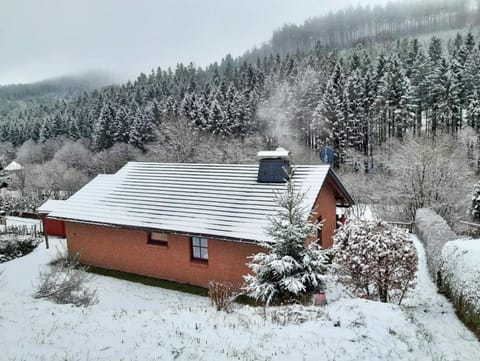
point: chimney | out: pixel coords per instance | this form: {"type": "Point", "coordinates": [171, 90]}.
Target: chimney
{"type": "Point", "coordinates": [273, 166]}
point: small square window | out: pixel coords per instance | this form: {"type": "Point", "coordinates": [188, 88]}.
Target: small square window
{"type": "Point", "coordinates": [200, 249]}
{"type": "Point", "coordinates": [158, 239]}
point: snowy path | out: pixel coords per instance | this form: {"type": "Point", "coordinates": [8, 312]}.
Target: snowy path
{"type": "Point", "coordinates": [439, 330]}
{"type": "Point", "coordinates": [137, 322]}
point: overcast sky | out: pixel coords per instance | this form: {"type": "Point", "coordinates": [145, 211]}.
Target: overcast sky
{"type": "Point", "coordinates": [45, 38]}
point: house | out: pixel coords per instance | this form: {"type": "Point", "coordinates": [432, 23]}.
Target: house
{"type": "Point", "coordinates": [13, 167]}
{"type": "Point", "coordinates": [190, 223]}
{"type": "Point", "coordinates": [52, 227]}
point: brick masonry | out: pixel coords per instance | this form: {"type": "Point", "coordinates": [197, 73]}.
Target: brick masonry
{"type": "Point", "coordinates": [54, 227]}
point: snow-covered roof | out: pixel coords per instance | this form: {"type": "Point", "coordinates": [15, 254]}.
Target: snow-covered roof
{"type": "Point", "coordinates": [49, 206]}
{"type": "Point", "coordinates": [222, 200]}
{"type": "Point", "coordinates": [14, 166]}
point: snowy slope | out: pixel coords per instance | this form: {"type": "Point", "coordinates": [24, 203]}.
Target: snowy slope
{"type": "Point", "coordinates": [138, 322]}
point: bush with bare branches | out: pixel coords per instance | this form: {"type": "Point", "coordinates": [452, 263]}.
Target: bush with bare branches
{"type": "Point", "coordinates": [64, 283]}
{"type": "Point", "coordinates": [222, 295]}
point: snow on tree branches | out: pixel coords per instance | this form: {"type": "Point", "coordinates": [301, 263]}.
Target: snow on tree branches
{"type": "Point", "coordinates": [291, 270]}
{"type": "Point", "coordinates": [475, 210]}
{"type": "Point", "coordinates": [375, 259]}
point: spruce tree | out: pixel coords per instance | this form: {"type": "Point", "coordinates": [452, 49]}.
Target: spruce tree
{"type": "Point", "coordinates": [331, 110]}
{"type": "Point", "coordinates": [294, 266]}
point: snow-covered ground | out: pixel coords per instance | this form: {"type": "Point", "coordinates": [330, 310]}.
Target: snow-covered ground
{"type": "Point", "coordinates": [138, 322]}
{"type": "Point", "coordinates": [11, 221]}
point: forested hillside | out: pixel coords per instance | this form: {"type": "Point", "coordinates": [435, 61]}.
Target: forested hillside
{"type": "Point", "coordinates": [355, 99]}
{"type": "Point", "coordinates": [367, 102]}
{"type": "Point", "coordinates": [347, 27]}
{"type": "Point", "coordinates": [60, 87]}
{"type": "Point", "coordinates": [18, 98]}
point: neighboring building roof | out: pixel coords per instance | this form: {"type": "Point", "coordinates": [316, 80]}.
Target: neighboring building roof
{"type": "Point", "coordinates": [49, 206]}
{"type": "Point", "coordinates": [220, 200]}
{"type": "Point", "coordinates": [13, 166]}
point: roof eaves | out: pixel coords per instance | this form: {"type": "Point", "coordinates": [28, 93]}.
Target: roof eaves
{"type": "Point", "coordinates": [341, 186]}
{"type": "Point", "coordinates": [147, 229]}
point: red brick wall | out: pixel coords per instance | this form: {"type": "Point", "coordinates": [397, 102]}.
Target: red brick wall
{"type": "Point", "coordinates": [325, 207]}
{"type": "Point", "coordinates": [128, 251]}
{"type": "Point", "coordinates": [54, 227]}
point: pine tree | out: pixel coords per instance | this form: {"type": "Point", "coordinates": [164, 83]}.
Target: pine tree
{"type": "Point", "coordinates": [102, 131]}
{"type": "Point", "coordinates": [216, 118]}
{"type": "Point", "coordinates": [393, 101]}
{"type": "Point", "coordinates": [449, 107]}
{"type": "Point", "coordinates": [474, 111]}
{"type": "Point", "coordinates": [331, 109]}
{"type": "Point", "coordinates": [475, 209]}
{"type": "Point", "coordinates": [120, 127]}
{"type": "Point", "coordinates": [291, 270]}
{"type": "Point", "coordinates": [355, 116]}
{"type": "Point", "coordinates": [141, 131]}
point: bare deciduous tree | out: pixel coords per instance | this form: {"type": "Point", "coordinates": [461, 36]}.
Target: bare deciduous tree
{"type": "Point", "coordinates": [110, 160]}
{"type": "Point", "coordinates": [74, 154]}
{"type": "Point", "coordinates": [419, 173]}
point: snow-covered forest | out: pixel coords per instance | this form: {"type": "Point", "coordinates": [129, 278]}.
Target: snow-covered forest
{"type": "Point", "coordinates": [366, 101]}
{"type": "Point", "coordinates": [356, 98]}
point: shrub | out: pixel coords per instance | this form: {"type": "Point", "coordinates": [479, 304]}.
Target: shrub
{"type": "Point", "coordinates": [222, 295]}
{"type": "Point", "coordinates": [375, 259]}
{"type": "Point", "coordinates": [13, 246]}
{"type": "Point", "coordinates": [460, 273]}
{"type": "Point", "coordinates": [65, 281]}
{"type": "Point", "coordinates": [434, 232]}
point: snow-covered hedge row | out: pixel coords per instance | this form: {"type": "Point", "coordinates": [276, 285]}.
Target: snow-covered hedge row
{"type": "Point", "coordinates": [461, 268]}
{"type": "Point", "coordinates": [453, 264]}
{"type": "Point", "coordinates": [13, 246]}
{"type": "Point", "coordinates": [460, 273]}
{"type": "Point", "coordinates": [434, 232]}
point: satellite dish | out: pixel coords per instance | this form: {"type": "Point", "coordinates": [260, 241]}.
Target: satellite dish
{"type": "Point", "coordinates": [327, 155]}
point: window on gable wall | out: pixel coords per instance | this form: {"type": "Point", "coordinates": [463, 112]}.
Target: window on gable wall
{"type": "Point", "coordinates": [158, 239]}
{"type": "Point", "coordinates": [200, 249]}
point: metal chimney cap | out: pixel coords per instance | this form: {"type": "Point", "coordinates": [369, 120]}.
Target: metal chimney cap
{"type": "Point", "coordinates": [279, 153]}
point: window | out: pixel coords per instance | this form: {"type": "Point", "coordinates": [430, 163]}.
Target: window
{"type": "Point", "coordinates": [158, 239]}
{"type": "Point", "coordinates": [200, 249]}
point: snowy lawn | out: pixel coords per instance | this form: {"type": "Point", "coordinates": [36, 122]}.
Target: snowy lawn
{"type": "Point", "coordinates": [19, 222]}
{"type": "Point", "coordinates": [28, 225]}
{"type": "Point", "coordinates": [138, 322]}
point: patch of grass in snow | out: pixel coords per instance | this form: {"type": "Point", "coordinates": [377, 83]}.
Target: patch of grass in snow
{"type": "Point", "coordinates": [169, 285]}
{"type": "Point", "coordinates": [150, 281]}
